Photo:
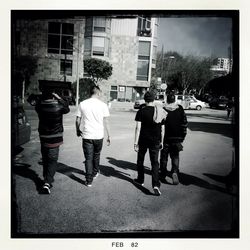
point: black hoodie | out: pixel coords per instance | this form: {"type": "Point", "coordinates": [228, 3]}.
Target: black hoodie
{"type": "Point", "coordinates": [175, 123]}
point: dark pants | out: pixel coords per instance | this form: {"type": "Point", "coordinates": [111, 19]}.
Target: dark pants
{"type": "Point", "coordinates": [92, 151]}
{"type": "Point", "coordinates": [50, 157]}
{"type": "Point", "coordinates": [173, 150]}
{"type": "Point", "coordinates": [153, 154]}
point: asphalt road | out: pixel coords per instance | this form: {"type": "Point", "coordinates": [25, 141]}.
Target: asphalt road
{"type": "Point", "coordinates": [199, 205]}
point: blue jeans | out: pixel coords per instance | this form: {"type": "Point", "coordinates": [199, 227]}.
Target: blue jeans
{"type": "Point", "coordinates": [92, 151]}
{"type": "Point", "coordinates": [153, 154]}
{"type": "Point", "coordinates": [50, 157]}
{"type": "Point", "coordinates": [171, 149]}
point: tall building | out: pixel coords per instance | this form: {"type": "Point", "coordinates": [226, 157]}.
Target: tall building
{"type": "Point", "coordinates": [129, 44]}
{"type": "Point", "coordinates": [222, 66]}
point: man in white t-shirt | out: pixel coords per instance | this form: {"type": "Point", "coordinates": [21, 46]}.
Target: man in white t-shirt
{"type": "Point", "coordinates": [92, 113]}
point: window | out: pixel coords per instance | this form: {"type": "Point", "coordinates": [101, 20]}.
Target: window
{"type": "Point", "coordinates": [60, 38]}
{"type": "Point", "coordinates": [143, 61]}
{"type": "Point", "coordinates": [113, 93]}
{"type": "Point", "coordinates": [87, 43]}
{"type": "Point", "coordinates": [100, 24]}
{"type": "Point", "coordinates": [98, 46]}
{"type": "Point", "coordinates": [66, 67]}
{"type": "Point", "coordinates": [144, 26]}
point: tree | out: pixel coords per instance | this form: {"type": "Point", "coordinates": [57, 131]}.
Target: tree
{"type": "Point", "coordinates": [24, 67]}
{"type": "Point", "coordinates": [97, 69]}
{"type": "Point", "coordinates": [185, 74]}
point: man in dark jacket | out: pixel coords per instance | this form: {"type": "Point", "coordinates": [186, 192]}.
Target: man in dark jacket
{"type": "Point", "coordinates": [175, 133]}
{"type": "Point", "coordinates": [50, 110]}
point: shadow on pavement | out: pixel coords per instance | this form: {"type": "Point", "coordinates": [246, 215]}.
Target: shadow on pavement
{"type": "Point", "coordinates": [215, 128]}
{"type": "Point", "coordinates": [23, 169]}
{"type": "Point", "coordinates": [109, 171]}
{"type": "Point", "coordinates": [69, 171]}
{"type": "Point", "coordinates": [126, 165]}
{"type": "Point", "coordinates": [186, 179]}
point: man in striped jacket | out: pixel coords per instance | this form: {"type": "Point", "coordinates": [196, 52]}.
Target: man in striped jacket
{"type": "Point", "coordinates": [174, 134]}
{"type": "Point", "coordinates": [50, 110]}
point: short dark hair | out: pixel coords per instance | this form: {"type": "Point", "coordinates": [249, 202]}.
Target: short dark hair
{"type": "Point", "coordinates": [94, 90]}
{"type": "Point", "coordinates": [170, 98]}
{"type": "Point", "coordinates": [149, 96]}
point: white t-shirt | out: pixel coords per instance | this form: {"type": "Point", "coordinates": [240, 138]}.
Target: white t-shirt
{"type": "Point", "coordinates": [92, 111]}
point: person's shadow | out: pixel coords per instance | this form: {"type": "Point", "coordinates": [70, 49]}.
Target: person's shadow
{"type": "Point", "coordinates": [186, 179]}
{"type": "Point", "coordinates": [110, 171]}
{"type": "Point", "coordinates": [69, 171]}
{"type": "Point", "coordinates": [23, 169]}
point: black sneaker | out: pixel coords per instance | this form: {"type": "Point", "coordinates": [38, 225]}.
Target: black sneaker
{"type": "Point", "coordinates": [46, 188]}
{"type": "Point", "coordinates": [175, 178]}
{"type": "Point", "coordinates": [136, 181]}
{"type": "Point", "coordinates": [157, 191]}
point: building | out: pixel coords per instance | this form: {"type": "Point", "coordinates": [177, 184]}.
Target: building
{"type": "Point", "coordinates": [55, 43]}
{"type": "Point", "coordinates": [221, 67]}
{"type": "Point", "coordinates": [60, 46]}
{"type": "Point", "coordinates": [130, 45]}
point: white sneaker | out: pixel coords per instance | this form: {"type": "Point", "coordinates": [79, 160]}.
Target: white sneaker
{"type": "Point", "coordinates": [157, 191]}
{"type": "Point", "coordinates": [46, 188]}
{"type": "Point", "coordinates": [95, 176]}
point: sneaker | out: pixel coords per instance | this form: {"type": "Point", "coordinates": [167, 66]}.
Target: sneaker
{"type": "Point", "coordinates": [157, 191]}
{"type": "Point", "coordinates": [46, 188]}
{"type": "Point", "coordinates": [175, 178]}
{"type": "Point", "coordinates": [88, 184]}
{"type": "Point", "coordinates": [136, 181]}
{"type": "Point", "coordinates": [95, 176]}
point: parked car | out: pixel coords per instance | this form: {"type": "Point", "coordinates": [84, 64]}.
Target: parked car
{"type": "Point", "coordinates": [20, 127]}
{"type": "Point", "coordinates": [196, 104]}
{"type": "Point", "coordinates": [218, 102]}
{"type": "Point", "coordinates": [190, 102]}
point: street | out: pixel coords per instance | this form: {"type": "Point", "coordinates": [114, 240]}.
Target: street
{"type": "Point", "coordinates": [200, 203]}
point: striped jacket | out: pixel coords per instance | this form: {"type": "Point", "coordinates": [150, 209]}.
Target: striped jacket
{"type": "Point", "coordinates": [50, 113]}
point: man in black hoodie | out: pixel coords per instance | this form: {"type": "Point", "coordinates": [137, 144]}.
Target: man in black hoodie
{"type": "Point", "coordinates": [50, 109]}
{"type": "Point", "coordinates": [175, 133]}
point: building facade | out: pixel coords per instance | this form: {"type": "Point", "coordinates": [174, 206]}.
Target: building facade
{"type": "Point", "coordinates": [57, 45]}
{"type": "Point", "coordinates": [60, 46]}
{"type": "Point", "coordinates": [221, 67]}
{"type": "Point", "coordinates": [130, 45]}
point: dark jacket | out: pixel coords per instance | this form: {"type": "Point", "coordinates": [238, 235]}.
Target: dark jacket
{"type": "Point", "coordinates": [175, 124]}
{"type": "Point", "coordinates": [50, 113]}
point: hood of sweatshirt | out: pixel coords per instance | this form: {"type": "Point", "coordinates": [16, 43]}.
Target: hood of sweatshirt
{"type": "Point", "coordinates": [171, 106]}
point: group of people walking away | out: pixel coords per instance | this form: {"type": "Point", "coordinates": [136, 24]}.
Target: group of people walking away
{"type": "Point", "coordinates": [159, 129]}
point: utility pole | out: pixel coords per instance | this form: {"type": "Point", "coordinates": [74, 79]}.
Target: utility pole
{"type": "Point", "coordinates": [77, 71]}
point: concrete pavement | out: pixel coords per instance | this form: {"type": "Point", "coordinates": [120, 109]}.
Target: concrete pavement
{"type": "Point", "coordinates": [199, 204]}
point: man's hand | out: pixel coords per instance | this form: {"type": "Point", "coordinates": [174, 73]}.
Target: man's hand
{"type": "Point", "coordinates": [136, 147]}
{"type": "Point", "coordinates": [108, 141]}
{"type": "Point", "coordinates": [78, 132]}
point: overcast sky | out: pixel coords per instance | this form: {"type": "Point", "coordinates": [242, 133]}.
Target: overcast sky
{"type": "Point", "coordinates": [201, 36]}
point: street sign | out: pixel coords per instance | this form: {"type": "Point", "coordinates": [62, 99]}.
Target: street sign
{"type": "Point", "coordinates": [164, 86]}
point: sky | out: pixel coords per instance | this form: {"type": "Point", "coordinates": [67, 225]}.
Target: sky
{"type": "Point", "coordinates": [199, 36]}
